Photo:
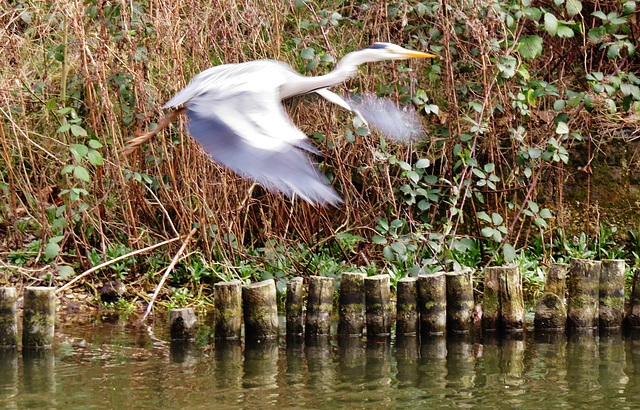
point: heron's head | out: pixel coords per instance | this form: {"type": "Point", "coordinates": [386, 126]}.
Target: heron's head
{"type": "Point", "coordinates": [387, 51]}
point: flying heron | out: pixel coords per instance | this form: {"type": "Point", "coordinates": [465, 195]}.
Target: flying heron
{"type": "Point", "coordinates": [235, 113]}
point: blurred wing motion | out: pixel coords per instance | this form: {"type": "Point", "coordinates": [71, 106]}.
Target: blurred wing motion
{"type": "Point", "coordinates": [235, 113]}
{"type": "Point", "coordinates": [381, 114]}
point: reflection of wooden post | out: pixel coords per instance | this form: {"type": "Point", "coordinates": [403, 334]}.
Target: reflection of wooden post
{"type": "Point", "coordinates": [551, 311]}
{"type": "Point", "coordinates": [377, 297]}
{"type": "Point", "coordinates": [351, 304]}
{"type": "Point", "coordinates": [459, 300]}
{"type": "Point", "coordinates": [633, 317]}
{"type": "Point", "coordinates": [407, 311]}
{"type": "Point", "coordinates": [511, 298]}
{"type": "Point", "coordinates": [260, 310]}
{"type": "Point", "coordinates": [294, 305]}
{"type": "Point", "coordinates": [39, 316]}
{"type": "Point", "coordinates": [584, 282]}
{"type": "Point", "coordinates": [8, 317]}
{"type": "Point", "coordinates": [319, 305]}
{"type": "Point", "coordinates": [183, 324]}
{"type": "Point", "coordinates": [491, 299]}
{"type": "Point", "coordinates": [228, 309]}
{"type": "Point", "coordinates": [432, 299]}
{"type": "Point", "coordinates": [611, 295]}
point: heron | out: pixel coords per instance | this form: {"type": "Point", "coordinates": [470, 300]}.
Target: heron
{"type": "Point", "coordinates": [235, 113]}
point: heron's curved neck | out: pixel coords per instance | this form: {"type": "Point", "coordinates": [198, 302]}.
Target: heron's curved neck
{"type": "Point", "coordinates": [345, 68]}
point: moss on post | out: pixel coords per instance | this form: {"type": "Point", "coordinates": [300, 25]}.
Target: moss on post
{"type": "Point", "coordinates": [351, 304]}
{"type": "Point", "coordinates": [38, 322]}
{"type": "Point", "coordinates": [551, 310]}
{"type": "Point", "coordinates": [260, 310]}
{"type": "Point", "coordinates": [407, 318]}
{"type": "Point", "coordinates": [511, 299]}
{"type": "Point", "coordinates": [584, 283]}
{"type": "Point", "coordinates": [228, 309]}
{"type": "Point", "coordinates": [459, 300]}
{"type": "Point", "coordinates": [611, 295]}
{"type": "Point", "coordinates": [377, 297]}
{"type": "Point", "coordinates": [633, 317]}
{"type": "Point", "coordinates": [319, 306]}
{"type": "Point", "coordinates": [432, 302]}
{"type": "Point", "coordinates": [491, 299]}
{"type": "Point", "coordinates": [294, 308]}
{"type": "Point", "coordinates": [8, 318]}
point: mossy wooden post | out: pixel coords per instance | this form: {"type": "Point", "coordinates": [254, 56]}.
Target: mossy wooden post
{"type": "Point", "coordinates": [584, 283]}
{"type": "Point", "coordinates": [227, 303]}
{"type": "Point", "coordinates": [611, 295]}
{"type": "Point", "coordinates": [351, 302]}
{"type": "Point", "coordinates": [633, 317]}
{"type": "Point", "coordinates": [551, 310]}
{"type": "Point", "coordinates": [183, 324]}
{"type": "Point", "coordinates": [407, 318]}
{"type": "Point", "coordinates": [8, 318]}
{"type": "Point", "coordinates": [377, 297]}
{"type": "Point", "coordinates": [293, 307]}
{"type": "Point", "coordinates": [38, 321]}
{"type": "Point", "coordinates": [319, 305]}
{"type": "Point", "coordinates": [459, 300]}
{"type": "Point", "coordinates": [511, 299]}
{"type": "Point", "coordinates": [491, 299]}
{"type": "Point", "coordinates": [432, 302]}
{"type": "Point", "coordinates": [260, 310]}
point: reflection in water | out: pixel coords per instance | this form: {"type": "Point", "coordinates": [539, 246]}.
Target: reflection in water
{"type": "Point", "coordinates": [114, 365]}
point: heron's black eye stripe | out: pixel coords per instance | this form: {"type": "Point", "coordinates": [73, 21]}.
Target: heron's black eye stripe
{"type": "Point", "coordinates": [378, 46]}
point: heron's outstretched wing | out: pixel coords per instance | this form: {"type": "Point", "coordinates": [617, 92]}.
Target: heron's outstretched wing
{"type": "Point", "coordinates": [250, 133]}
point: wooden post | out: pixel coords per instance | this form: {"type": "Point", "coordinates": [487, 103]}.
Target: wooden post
{"type": "Point", "coordinates": [319, 305]}
{"type": "Point", "coordinates": [611, 295]}
{"type": "Point", "coordinates": [633, 317]}
{"type": "Point", "coordinates": [377, 297]}
{"type": "Point", "coordinates": [432, 300]}
{"type": "Point", "coordinates": [38, 322]}
{"type": "Point", "coordinates": [551, 310]}
{"type": "Point", "coordinates": [293, 307]}
{"type": "Point", "coordinates": [260, 310]}
{"type": "Point", "coordinates": [351, 304]}
{"type": "Point", "coordinates": [491, 299]}
{"type": "Point", "coordinates": [511, 299]}
{"type": "Point", "coordinates": [183, 324]}
{"type": "Point", "coordinates": [228, 309]}
{"type": "Point", "coordinates": [584, 282]}
{"type": "Point", "coordinates": [459, 300]}
{"type": "Point", "coordinates": [407, 319]}
{"type": "Point", "coordinates": [8, 318]}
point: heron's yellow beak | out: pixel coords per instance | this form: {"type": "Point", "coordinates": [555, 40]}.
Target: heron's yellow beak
{"type": "Point", "coordinates": [416, 54]}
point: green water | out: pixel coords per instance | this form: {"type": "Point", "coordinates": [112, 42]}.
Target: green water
{"type": "Point", "coordinates": [115, 364]}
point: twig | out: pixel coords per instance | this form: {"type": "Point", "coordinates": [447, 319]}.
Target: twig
{"type": "Point", "coordinates": [95, 268]}
{"type": "Point", "coordinates": [134, 143]}
{"type": "Point", "coordinates": [167, 272]}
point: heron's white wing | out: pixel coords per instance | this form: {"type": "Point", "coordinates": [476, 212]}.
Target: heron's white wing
{"type": "Point", "coordinates": [250, 133]}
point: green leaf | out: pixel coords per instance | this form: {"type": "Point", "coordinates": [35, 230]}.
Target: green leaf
{"type": "Point", "coordinates": [94, 157]}
{"type": "Point", "coordinates": [546, 213]}
{"type": "Point", "coordinates": [67, 169]}
{"type": "Point", "coordinates": [387, 252]}
{"type": "Point", "coordinates": [573, 7]}
{"type": "Point", "coordinates": [65, 271]}
{"type": "Point", "coordinates": [530, 46]}
{"type": "Point", "coordinates": [64, 128]}
{"type": "Point", "coordinates": [483, 215]}
{"type": "Point", "coordinates": [562, 128]}
{"type": "Point", "coordinates": [600, 15]}
{"type": "Point", "coordinates": [350, 136]}
{"type": "Point", "coordinates": [628, 8]}
{"type": "Point", "coordinates": [308, 53]}
{"type": "Point", "coordinates": [380, 240]}
{"type": "Point", "coordinates": [413, 175]}
{"type": "Point", "coordinates": [95, 144]}
{"type": "Point", "coordinates": [508, 252]}
{"type": "Point", "coordinates": [497, 219]}
{"type": "Point", "coordinates": [558, 105]}
{"type": "Point", "coordinates": [565, 32]}
{"type": "Point", "coordinates": [81, 173]}
{"type": "Point", "coordinates": [78, 131]}
{"type": "Point", "coordinates": [613, 51]}
{"type": "Point", "coordinates": [79, 151]}
{"type": "Point", "coordinates": [423, 163]}
{"type": "Point", "coordinates": [487, 231]}
{"type": "Point", "coordinates": [362, 131]}
{"type": "Point", "coordinates": [550, 23]}
{"type": "Point", "coordinates": [51, 250]}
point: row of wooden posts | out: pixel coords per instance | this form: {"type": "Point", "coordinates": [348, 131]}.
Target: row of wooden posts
{"type": "Point", "coordinates": [427, 305]}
